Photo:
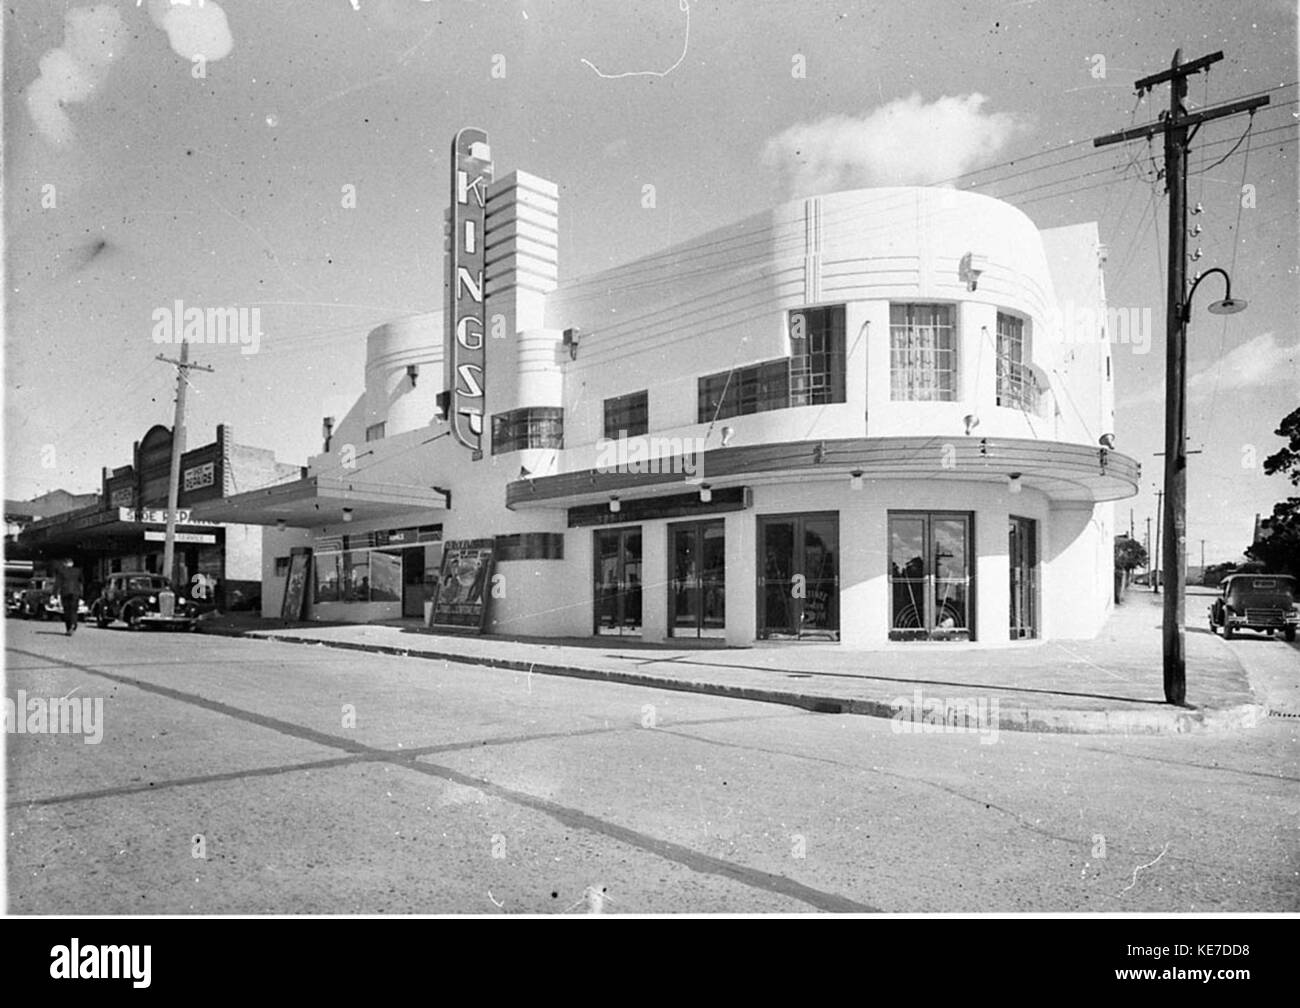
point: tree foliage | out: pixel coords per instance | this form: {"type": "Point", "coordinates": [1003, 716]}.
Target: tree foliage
{"type": "Point", "coordinates": [1279, 545]}
{"type": "Point", "coordinates": [1129, 553]}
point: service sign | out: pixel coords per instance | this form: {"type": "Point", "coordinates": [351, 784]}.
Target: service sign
{"type": "Point", "coordinates": [205, 538]}
{"type": "Point", "coordinates": [471, 173]}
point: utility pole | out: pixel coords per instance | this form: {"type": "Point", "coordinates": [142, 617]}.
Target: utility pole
{"type": "Point", "coordinates": [1146, 544]}
{"type": "Point", "coordinates": [1202, 558]}
{"type": "Point", "coordinates": [183, 366]}
{"type": "Point", "coordinates": [1155, 573]}
{"type": "Point", "coordinates": [1179, 127]}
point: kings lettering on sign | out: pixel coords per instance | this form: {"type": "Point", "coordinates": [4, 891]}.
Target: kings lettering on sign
{"type": "Point", "coordinates": [471, 174]}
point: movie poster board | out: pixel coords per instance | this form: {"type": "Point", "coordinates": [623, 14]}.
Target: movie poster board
{"type": "Point", "coordinates": [295, 585]}
{"type": "Point", "coordinates": [464, 584]}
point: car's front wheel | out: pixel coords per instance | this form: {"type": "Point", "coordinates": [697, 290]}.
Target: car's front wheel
{"type": "Point", "coordinates": [98, 615]}
{"type": "Point", "coordinates": [1290, 634]}
{"type": "Point", "coordinates": [132, 613]}
{"type": "Point", "coordinates": [1227, 632]}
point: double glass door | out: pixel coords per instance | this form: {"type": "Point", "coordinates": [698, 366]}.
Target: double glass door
{"type": "Point", "coordinates": [930, 576]}
{"type": "Point", "coordinates": [697, 580]}
{"type": "Point", "coordinates": [617, 581]}
{"type": "Point", "coordinates": [1022, 551]}
{"type": "Point", "coordinates": [799, 579]}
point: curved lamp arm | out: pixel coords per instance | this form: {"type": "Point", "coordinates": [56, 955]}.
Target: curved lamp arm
{"type": "Point", "coordinates": [1227, 306]}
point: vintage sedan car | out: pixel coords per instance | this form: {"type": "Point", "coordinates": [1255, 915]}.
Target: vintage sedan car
{"type": "Point", "coordinates": [140, 600]}
{"type": "Point", "coordinates": [1264, 603]}
{"type": "Point", "coordinates": [54, 608]}
{"type": "Point", "coordinates": [35, 598]}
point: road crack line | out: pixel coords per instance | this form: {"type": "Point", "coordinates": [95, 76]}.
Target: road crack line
{"type": "Point", "coordinates": [1147, 865]}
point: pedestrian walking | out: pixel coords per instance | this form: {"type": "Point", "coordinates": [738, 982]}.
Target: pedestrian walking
{"type": "Point", "coordinates": [68, 586]}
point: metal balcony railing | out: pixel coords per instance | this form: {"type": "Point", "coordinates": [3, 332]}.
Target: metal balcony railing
{"type": "Point", "coordinates": [1018, 388]}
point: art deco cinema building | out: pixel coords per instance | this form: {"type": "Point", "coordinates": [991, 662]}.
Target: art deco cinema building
{"type": "Point", "coordinates": [856, 417]}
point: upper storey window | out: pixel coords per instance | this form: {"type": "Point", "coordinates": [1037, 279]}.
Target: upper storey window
{"type": "Point", "coordinates": [753, 389]}
{"type": "Point", "coordinates": [1017, 387]}
{"type": "Point", "coordinates": [531, 427]}
{"type": "Point", "coordinates": [375, 432]}
{"type": "Point", "coordinates": [922, 352]}
{"type": "Point", "coordinates": [627, 416]}
{"type": "Point", "coordinates": [812, 375]}
{"type": "Point", "coordinates": [817, 356]}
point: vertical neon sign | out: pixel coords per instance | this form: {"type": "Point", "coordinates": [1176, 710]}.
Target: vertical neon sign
{"type": "Point", "coordinates": [471, 174]}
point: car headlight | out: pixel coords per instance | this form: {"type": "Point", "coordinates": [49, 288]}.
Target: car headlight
{"type": "Point", "coordinates": [153, 598]}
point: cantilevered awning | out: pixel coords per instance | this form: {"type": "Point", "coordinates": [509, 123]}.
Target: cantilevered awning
{"type": "Point", "coordinates": [1062, 471]}
{"type": "Point", "coordinates": [316, 501]}
{"type": "Point", "coordinates": [97, 527]}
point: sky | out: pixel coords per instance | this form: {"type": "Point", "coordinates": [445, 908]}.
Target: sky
{"type": "Point", "coordinates": [292, 156]}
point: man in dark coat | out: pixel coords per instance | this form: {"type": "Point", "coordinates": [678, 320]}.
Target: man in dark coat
{"type": "Point", "coordinates": [68, 586]}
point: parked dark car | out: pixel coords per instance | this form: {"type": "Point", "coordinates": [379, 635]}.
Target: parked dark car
{"type": "Point", "coordinates": [140, 599]}
{"type": "Point", "coordinates": [14, 601]}
{"type": "Point", "coordinates": [35, 598]}
{"type": "Point", "coordinates": [54, 608]}
{"type": "Point", "coordinates": [1261, 602]}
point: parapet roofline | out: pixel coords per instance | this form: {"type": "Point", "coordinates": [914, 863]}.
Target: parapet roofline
{"type": "Point", "coordinates": [762, 219]}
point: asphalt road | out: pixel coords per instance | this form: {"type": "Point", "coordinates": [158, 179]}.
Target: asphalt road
{"type": "Point", "coordinates": [238, 776]}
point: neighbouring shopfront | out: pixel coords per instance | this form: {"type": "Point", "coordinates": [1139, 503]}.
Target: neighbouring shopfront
{"type": "Point", "coordinates": [124, 529]}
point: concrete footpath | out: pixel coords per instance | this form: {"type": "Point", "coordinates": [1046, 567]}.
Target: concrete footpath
{"type": "Point", "coordinates": [1108, 685]}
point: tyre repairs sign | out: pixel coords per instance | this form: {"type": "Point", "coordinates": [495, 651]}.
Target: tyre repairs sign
{"type": "Point", "coordinates": [471, 174]}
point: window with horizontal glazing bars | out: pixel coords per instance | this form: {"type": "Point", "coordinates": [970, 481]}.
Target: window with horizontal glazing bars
{"type": "Point", "coordinates": [922, 353]}
{"type": "Point", "coordinates": [812, 375]}
{"type": "Point", "coordinates": [753, 389]}
{"type": "Point", "coordinates": [627, 415]}
{"type": "Point", "coordinates": [1017, 386]}
{"type": "Point", "coordinates": [817, 356]}
{"type": "Point", "coordinates": [530, 427]}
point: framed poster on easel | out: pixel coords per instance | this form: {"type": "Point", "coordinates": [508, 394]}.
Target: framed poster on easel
{"type": "Point", "coordinates": [294, 605]}
{"type": "Point", "coordinates": [463, 585]}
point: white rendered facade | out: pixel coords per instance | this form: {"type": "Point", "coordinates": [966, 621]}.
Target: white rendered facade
{"type": "Point", "coordinates": [899, 469]}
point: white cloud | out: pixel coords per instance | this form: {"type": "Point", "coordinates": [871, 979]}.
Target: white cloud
{"type": "Point", "coordinates": [93, 37]}
{"type": "Point", "coordinates": [906, 142]}
{"type": "Point", "coordinates": [1255, 364]}
{"type": "Point", "coordinates": [1260, 361]}
{"type": "Point", "coordinates": [194, 27]}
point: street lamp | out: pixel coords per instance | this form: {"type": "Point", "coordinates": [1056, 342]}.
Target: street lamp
{"type": "Point", "coordinates": [1175, 493]}
{"type": "Point", "coordinates": [1228, 306]}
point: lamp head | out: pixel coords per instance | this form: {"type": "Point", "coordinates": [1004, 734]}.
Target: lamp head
{"type": "Point", "coordinates": [1228, 306]}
